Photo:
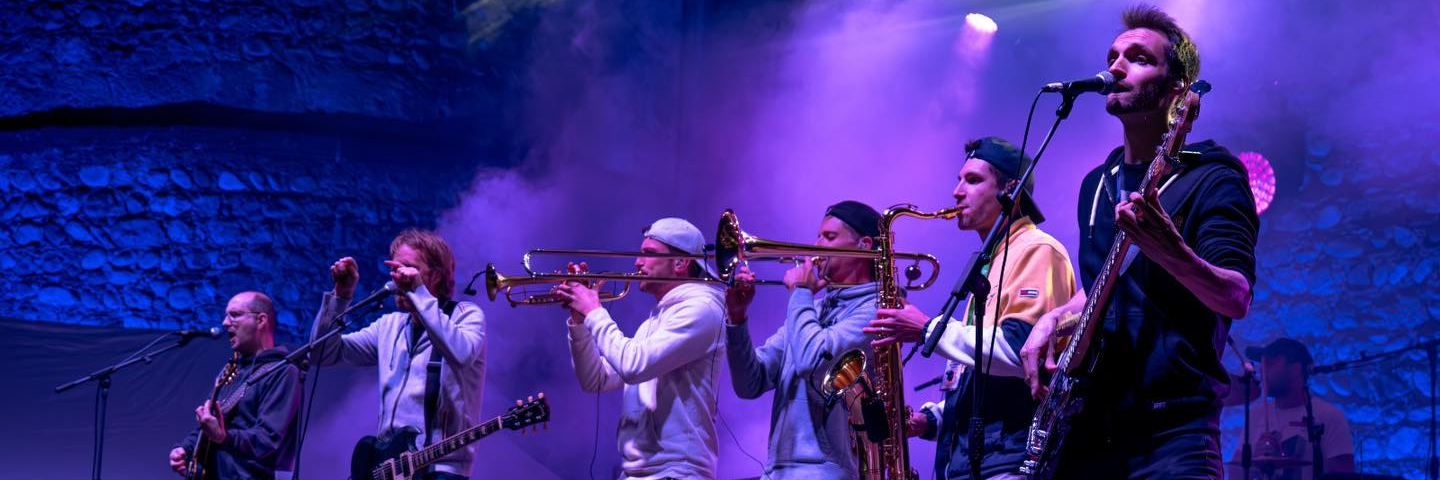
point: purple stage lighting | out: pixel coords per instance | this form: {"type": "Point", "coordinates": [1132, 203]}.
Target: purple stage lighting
{"type": "Point", "coordinates": [1262, 179]}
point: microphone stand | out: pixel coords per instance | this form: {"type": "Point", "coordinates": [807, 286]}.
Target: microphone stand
{"type": "Point", "coordinates": [974, 284]}
{"type": "Point", "coordinates": [1246, 458]}
{"type": "Point", "coordinates": [1313, 432]}
{"type": "Point", "coordinates": [1246, 453]}
{"type": "Point", "coordinates": [102, 394]}
{"type": "Point", "coordinates": [301, 355]}
{"type": "Point", "coordinates": [1430, 347]}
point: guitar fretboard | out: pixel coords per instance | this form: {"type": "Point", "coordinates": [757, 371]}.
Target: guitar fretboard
{"type": "Point", "coordinates": [430, 454]}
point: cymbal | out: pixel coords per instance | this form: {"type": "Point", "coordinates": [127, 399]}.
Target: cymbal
{"type": "Point", "coordinates": [1237, 391]}
{"type": "Point", "coordinates": [1273, 462]}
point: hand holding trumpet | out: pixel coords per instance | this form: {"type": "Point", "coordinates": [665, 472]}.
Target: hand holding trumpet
{"type": "Point", "coordinates": [578, 297]}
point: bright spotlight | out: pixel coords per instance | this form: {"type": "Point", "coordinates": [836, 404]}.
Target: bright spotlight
{"type": "Point", "coordinates": [981, 23]}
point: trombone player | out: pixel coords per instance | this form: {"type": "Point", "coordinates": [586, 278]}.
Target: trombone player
{"type": "Point", "coordinates": [668, 369]}
{"type": "Point", "coordinates": [1037, 279]}
{"type": "Point", "coordinates": [809, 437]}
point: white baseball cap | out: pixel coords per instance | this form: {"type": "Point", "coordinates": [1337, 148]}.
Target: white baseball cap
{"type": "Point", "coordinates": [683, 236]}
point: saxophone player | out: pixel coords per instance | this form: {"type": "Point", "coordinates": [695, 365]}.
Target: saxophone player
{"type": "Point", "coordinates": [1037, 278]}
{"type": "Point", "coordinates": [809, 437]}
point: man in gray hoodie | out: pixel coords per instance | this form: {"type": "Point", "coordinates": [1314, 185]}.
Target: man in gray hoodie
{"type": "Point", "coordinates": [809, 437]}
{"type": "Point", "coordinates": [430, 333]}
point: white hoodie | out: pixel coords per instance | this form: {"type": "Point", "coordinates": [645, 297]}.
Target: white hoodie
{"type": "Point", "coordinates": [669, 372]}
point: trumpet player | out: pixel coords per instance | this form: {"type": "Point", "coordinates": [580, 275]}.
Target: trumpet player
{"type": "Point", "coordinates": [668, 369]}
{"type": "Point", "coordinates": [1037, 278]}
{"type": "Point", "coordinates": [809, 437]}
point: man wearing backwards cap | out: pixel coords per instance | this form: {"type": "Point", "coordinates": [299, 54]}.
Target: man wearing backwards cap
{"type": "Point", "coordinates": [809, 439]}
{"type": "Point", "coordinates": [1277, 429]}
{"type": "Point", "coordinates": [668, 369]}
{"type": "Point", "coordinates": [1037, 278]}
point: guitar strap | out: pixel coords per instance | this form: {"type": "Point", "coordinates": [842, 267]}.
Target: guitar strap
{"type": "Point", "coordinates": [238, 393]}
{"type": "Point", "coordinates": [432, 378]}
{"type": "Point", "coordinates": [1175, 195]}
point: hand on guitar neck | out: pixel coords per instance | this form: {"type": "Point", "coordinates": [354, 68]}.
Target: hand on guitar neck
{"type": "Point", "coordinates": [212, 422]}
{"type": "Point", "coordinates": [1043, 345]}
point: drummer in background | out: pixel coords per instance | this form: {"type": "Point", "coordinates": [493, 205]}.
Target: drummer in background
{"type": "Point", "coordinates": [1277, 428]}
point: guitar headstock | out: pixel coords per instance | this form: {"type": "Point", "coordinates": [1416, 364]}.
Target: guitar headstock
{"type": "Point", "coordinates": [228, 374]}
{"type": "Point", "coordinates": [531, 411]}
{"type": "Point", "coordinates": [1187, 109]}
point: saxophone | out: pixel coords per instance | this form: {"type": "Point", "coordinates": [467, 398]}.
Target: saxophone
{"type": "Point", "coordinates": [883, 450]}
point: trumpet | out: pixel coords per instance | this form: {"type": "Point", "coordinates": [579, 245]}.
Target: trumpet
{"type": "Point", "coordinates": [497, 284]}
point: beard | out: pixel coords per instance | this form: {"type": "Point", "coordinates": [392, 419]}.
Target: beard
{"type": "Point", "coordinates": [1146, 98]}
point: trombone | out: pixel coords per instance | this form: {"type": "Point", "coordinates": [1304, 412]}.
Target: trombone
{"type": "Point", "coordinates": [733, 248]}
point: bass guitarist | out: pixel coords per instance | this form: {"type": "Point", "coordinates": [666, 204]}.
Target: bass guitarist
{"type": "Point", "coordinates": [251, 432]}
{"type": "Point", "coordinates": [1153, 406]}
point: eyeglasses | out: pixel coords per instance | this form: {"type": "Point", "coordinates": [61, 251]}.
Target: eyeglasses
{"type": "Point", "coordinates": [237, 315]}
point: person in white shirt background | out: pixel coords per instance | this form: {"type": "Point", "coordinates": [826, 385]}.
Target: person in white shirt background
{"type": "Point", "coordinates": [1277, 419]}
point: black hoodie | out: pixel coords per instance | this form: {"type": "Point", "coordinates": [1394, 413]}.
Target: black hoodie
{"type": "Point", "coordinates": [1161, 347]}
{"type": "Point", "coordinates": [261, 428]}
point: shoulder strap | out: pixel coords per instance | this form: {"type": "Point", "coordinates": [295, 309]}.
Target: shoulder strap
{"type": "Point", "coordinates": [1177, 195]}
{"type": "Point", "coordinates": [433, 369]}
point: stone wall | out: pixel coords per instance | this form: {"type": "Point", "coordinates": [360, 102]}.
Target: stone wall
{"type": "Point", "coordinates": [155, 228]}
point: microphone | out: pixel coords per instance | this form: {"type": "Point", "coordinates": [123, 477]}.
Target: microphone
{"type": "Point", "coordinates": [1101, 83]}
{"type": "Point", "coordinates": [375, 297]}
{"type": "Point", "coordinates": [212, 332]}
{"type": "Point", "coordinates": [931, 382]}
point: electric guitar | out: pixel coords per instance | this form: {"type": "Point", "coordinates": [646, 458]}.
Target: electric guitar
{"type": "Point", "coordinates": [200, 457]}
{"type": "Point", "coordinates": [389, 457]}
{"type": "Point", "coordinates": [1069, 386]}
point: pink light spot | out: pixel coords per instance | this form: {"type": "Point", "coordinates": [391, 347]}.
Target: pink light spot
{"type": "Point", "coordinates": [1262, 179]}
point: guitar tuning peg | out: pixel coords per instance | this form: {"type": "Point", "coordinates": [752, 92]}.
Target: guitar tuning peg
{"type": "Point", "coordinates": [519, 403]}
{"type": "Point", "coordinates": [541, 395]}
{"type": "Point", "coordinates": [530, 399]}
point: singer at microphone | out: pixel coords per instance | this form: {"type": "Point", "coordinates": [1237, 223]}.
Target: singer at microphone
{"type": "Point", "coordinates": [257, 420]}
{"type": "Point", "coordinates": [429, 341]}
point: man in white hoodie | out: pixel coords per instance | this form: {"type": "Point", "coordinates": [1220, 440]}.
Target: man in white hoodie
{"type": "Point", "coordinates": [668, 369]}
